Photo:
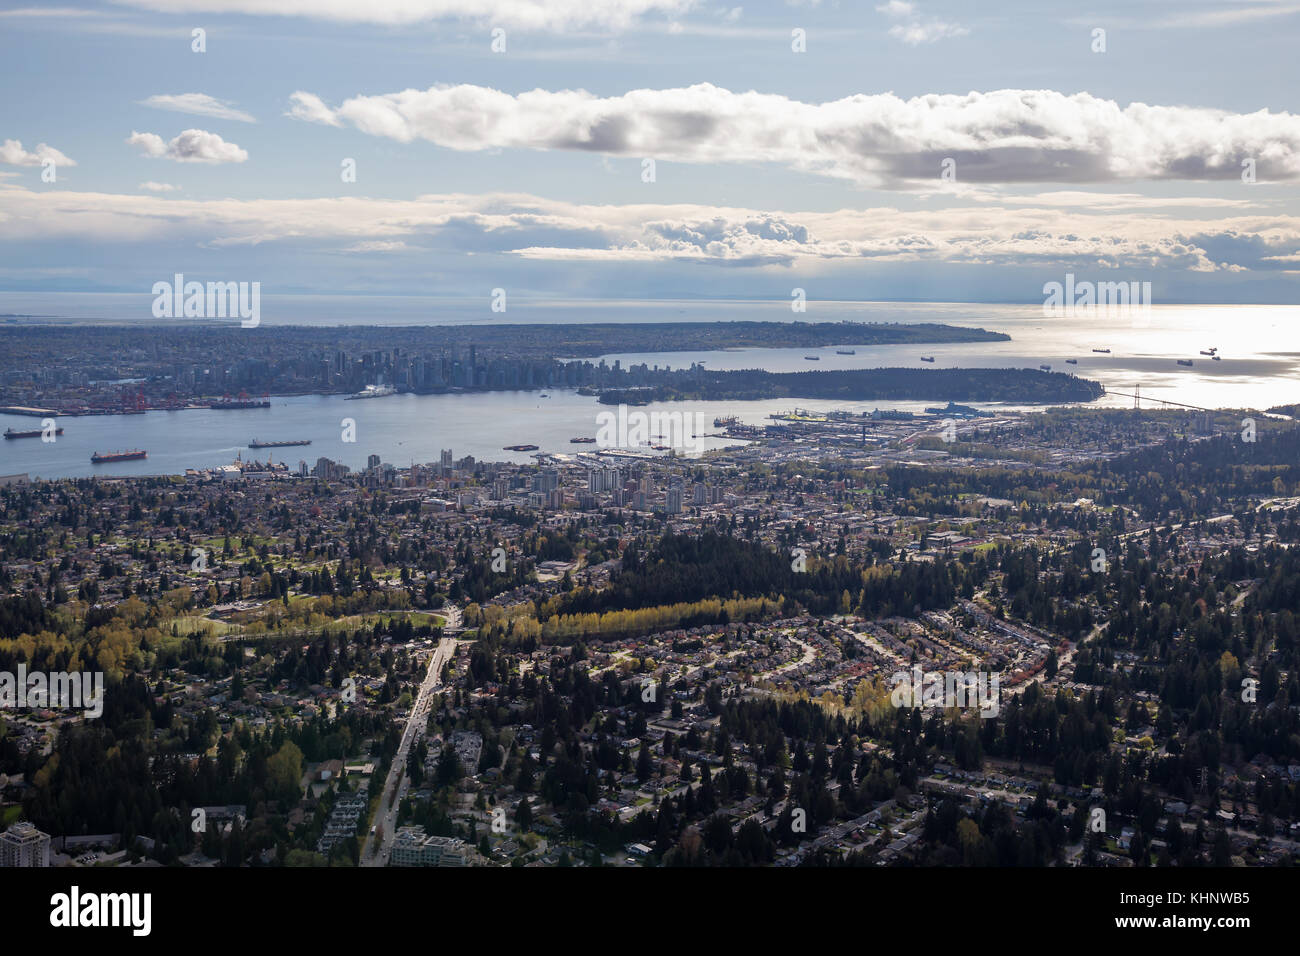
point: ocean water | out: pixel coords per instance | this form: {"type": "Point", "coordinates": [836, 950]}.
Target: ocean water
{"type": "Point", "coordinates": [1259, 346]}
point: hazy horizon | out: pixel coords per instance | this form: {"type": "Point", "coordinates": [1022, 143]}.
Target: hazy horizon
{"type": "Point", "coordinates": [890, 151]}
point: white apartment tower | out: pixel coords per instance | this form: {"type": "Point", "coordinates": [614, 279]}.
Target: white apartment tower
{"type": "Point", "coordinates": [24, 845]}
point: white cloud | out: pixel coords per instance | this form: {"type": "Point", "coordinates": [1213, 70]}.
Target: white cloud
{"type": "Point", "coordinates": [378, 245]}
{"type": "Point", "coordinates": [154, 187]}
{"type": "Point", "coordinates": [1118, 201]}
{"type": "Point", "coordinates": [915, 31]}
{"type": "Point", "coordinates": [311, 109]}
{"type": "Point", "coordinates": [32, 13]}
{"type": "Point", "coordinates": [928, 31]}
{"type": "Point", "coordinates": [1003, 136]}
{"type": "Point", "coordinates": [1228, 15]}
{"type": "Point", "coordinates": [200, 104]}
{"type": "Point", "coordinates": [555, 15]}
{"type": "Point", "coordinates": [13, 154]}
{"type": "Point", "coordinates": [541, 229]}
{"type": "Point", "coordinates": [151, 144]}
{"type": "Point", "coordinates": [191, 146]}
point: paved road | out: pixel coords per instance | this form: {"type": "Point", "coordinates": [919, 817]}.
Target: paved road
{"type": "Point", "coordinates": [377, 852]}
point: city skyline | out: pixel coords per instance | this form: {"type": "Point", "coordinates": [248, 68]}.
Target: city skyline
{"type": "Point", "coordinates": [854, 439]}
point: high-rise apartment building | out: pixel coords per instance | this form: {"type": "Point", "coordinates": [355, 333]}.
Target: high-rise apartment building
{"type": "Point", "coordinates": [24, 845]}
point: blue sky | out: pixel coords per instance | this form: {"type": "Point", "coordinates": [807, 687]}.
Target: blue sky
{"type": "Point", "coordinates": [523, 169]}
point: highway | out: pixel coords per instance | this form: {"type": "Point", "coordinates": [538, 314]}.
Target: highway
{"type": "Point", "coordinates": [377, 852]}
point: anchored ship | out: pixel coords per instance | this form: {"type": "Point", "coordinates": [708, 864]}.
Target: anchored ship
{"type": "Point", "coordinates": [98, 459]}
{"type": "Point", "coordinates": [1185, 362]}
{"type": "Point", "coordinates": [927, 358]}
{"type": "Point", "coordinates": [845, 352]}
{"type": "Point", "coordinates": [278, 444]}
{"type": "Point", "coordinates": [34, 433]}
{"type": "Point", "coordinates": [582, 441]}
{"type": "Point", "coordinates": [1102, 351]}
{"type": "Point", "coordinates": [520, 448]}
{"type": "Point", "coordinates": [1071, 361]}
{"type": "Point", "coordinates": [228, 405]}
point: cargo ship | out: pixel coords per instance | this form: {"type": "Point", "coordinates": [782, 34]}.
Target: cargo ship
{"type": "Point", "coordinates": [927, 358]}
{"type": "Point", "coordinates": [1102, 351]}
{"type": "Point", "coordinates": [725, 421]}
{"type": "Point", "coordinates": [1209, 351]}
{"type": "Point", "coordinates": [33, 433]}
{"type": "Point", "coordinates": [228, 405]}
{"type": "Point", "coordinates": [1185, 362]}
{"type": "Point", "coordinates": [845, 352]}
{"type": "Point", "coordinates": [98, 459]}
{"type": "Point", "coordinates": [278, 444]}
{"type": "Point", "coordinates": [582, 441]}
{"type": "Point", "coordinates": [813, 358]}
{"type": "Point", "coordinates": [374, 391]}
{"type": "Point", "coordinates": [520, 448]}
{"type": "Point", "coordinates": [1045, 368]}
{"type": "Point", "coordinates": [1071, 361]}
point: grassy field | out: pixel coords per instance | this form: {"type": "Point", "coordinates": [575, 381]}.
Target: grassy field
{"type": "Point", "coordinates": [349, 622]}
{"type": "Point", "coordinates": [197, 623]}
